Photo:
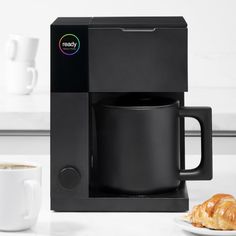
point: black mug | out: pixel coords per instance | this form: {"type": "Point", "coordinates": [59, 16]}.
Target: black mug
{"type": "Point", "coordinates": [138, 144]}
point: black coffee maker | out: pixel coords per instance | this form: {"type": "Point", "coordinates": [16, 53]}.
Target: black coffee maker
{"type": "Point", "coordinates": [117, 115]}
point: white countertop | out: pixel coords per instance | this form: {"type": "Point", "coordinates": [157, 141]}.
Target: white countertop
{"type": "Point", "coordinates": [32, 112]}
{"type": "Point", "coordinates": [120, 224]}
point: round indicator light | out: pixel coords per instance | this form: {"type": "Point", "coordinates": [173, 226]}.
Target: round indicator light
{"type": "Point", "coordinates": [69, 44]}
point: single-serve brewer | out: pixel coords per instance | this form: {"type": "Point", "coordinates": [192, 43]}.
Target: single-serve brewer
{"type": "Point", "coordinates": [117, 115]}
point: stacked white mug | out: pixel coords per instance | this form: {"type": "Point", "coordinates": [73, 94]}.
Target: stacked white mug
{"type": "Point", "coordinates": [21, 74]}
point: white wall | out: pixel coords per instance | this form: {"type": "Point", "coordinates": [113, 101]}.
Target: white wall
{"type": "Point", "coordinates": [211, 23]}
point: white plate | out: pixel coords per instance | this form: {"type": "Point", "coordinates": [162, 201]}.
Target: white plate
{"type": "Point", "coordinates": [202, 231]}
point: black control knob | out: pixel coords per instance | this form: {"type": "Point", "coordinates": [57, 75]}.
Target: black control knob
{"type": "Point", "coordinates": [69, 177]}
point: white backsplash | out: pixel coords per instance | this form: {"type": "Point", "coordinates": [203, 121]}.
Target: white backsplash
{"type": "Point", "coordinates": [211, 31]}
{"type": "Point", "coordinates": [211, 50]}
{"type": "Point", "coordinates": [222, 101]}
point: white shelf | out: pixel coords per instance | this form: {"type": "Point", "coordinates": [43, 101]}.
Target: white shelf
{"type": "Point", "coordinates": [25, 112]}
{"type": "Point", "coordinates": [32, 112]}
{"type": "Point", "coordinates": [223, 104]}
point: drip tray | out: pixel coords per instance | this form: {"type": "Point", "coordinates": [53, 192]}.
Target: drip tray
{"type": "Point", "coordinates": [175, 201]}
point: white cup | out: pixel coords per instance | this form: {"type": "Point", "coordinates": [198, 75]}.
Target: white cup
{"type": "Point", "coordinates": [21, 48]}
{"type": "Point", "coordinates": [20, 195]}
{"type": "Point", "coordinates": [21, 77]}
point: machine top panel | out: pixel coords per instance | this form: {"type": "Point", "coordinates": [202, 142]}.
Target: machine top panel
{"type": "Point", "coordinates": [160, 22]}
{"type": "Point", "coordinates": [119, 54]}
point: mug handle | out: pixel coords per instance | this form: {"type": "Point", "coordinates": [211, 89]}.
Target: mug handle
{"type": "Point", "coordinates": [32, 189]}
{"type": "Point", "coordinates": [204, 170]}
{"type": "Point", "coordinates": [12, 49]}
{"type": "Point", "coordinates": [34, 78]}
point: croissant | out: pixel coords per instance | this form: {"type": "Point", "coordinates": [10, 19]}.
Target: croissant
{"type": "Point", "coordinates": [218, 212]}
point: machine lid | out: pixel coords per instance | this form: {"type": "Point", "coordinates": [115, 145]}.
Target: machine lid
{"type": "Point", "coordinates": [138, 22]}
{"type": "Point", "coordinates": [72, 21]}
{"type": "Point", "coordinates": [124, 22]}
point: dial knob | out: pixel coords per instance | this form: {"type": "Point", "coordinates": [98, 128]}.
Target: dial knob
{"type": "Point", "coordinates": [69, 177]}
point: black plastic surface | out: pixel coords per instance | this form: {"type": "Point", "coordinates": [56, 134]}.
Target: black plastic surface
{"type": "Point", "coordinates": [69, 141]}
{"type": "Point", "coordinates": [176, 201]}
{"type": "Point", "coordinates": [131, 61]}
{"type": "Point", "coordinates": [138, 144]}
{"type": "Point", "coordinates": [69, 177]}
{"type": "Point", "coordinates": [132, 54]}
{"type": "Point", "coordinates": [160, 22]}
{"type": "Point", "coordinates": [69, 73]}
{"type": "Point", "coordinates": [70, 147]}
{"type": "Point", "coordinates": [109, 97]}
{"type": "Point", "coordinates": [204, 117]}
{"type": "Point", "coordinates": [72, 21]}
{"type": "Point", "coordinates": [137, 22]}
